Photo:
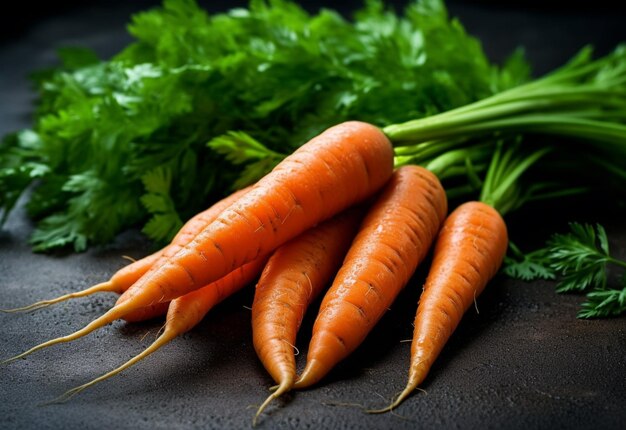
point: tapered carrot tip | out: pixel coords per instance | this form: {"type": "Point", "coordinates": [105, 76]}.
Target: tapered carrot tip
{"type": "Point", "coordinates": [401, 397]}
{"type": "Point", "coordinates": [312, 373]}
{"type": "Point", "coordinates": [417, 373]}
{"type": "Point", "coordinates": [66, 396]}
{"type": "Point", "coordinates": [102, 287]}
{"type": "Point", "coordinates": [279, 390]}
{"type": "Point", "coordinates": [110, 316]}
{"type": "Point", "coordinates": [41, 346]}
{"type": "Point", "coordinates": [165, 338]}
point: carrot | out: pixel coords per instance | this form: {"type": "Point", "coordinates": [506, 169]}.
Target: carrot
{"type": "Point", "coordinates": [342, 166]}
{"type": "Point", "coordinates": [185, 313]}
{"type": "Point", "coordinates": [294, 276]}
{"type": "Point", "coordinates": [128, 275]}
{"type": "Point", "coordinates": [146, 313]}
{"type": "Point", "coordinates": [393, 238]}
{"type": "Point", "coordinates": [468, 253]}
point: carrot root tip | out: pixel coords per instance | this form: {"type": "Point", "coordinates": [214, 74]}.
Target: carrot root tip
{"type": "Point", "coordinates": [65, 396]}
{"type": "Point", "coordinates": [129, 258]}
{"type": "Point", "coordinates": [102, 287]}
{"type": "Point", "coordinates": [280, 389]}
{"type": "Point", "coordinates": [33, 349]}
{"type": "Point", "coordinates": [31, 307]}
{"type": "Point", "coordinates": [105, 319]}
{"type": "Point", "coordinates": [398, 400]}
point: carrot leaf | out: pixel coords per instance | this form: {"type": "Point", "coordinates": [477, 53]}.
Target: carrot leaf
{"type": "Point", "coordinates": [579, 261]}
{"type": "Point", "coordinates": [240, 148]}
{"type": "Point", "coordinates": [580, 257]}
{"type": "Point", "coordinates": [529, 266]}
{"type": "Point", "coordinates": [604, 303]}
{"type": "Point", "coordinates": [272, 71]}
{"type": "Point", "coordinates": [165, 222]}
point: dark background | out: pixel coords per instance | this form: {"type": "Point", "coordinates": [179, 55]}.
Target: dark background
{"type": "Point", "coordinates": [533, 24]}
{"type": "Point", "coordinates": [523, 362]}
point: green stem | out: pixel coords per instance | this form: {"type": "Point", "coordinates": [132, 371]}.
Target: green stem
{"type": "Point", "coordinates": [554, 124]}
{"type": "Point", "coordinates": [583, 98]}
{"type": "Point", "coordinates": [511, 103]}
{"type": "Point", "coordinates": [616, 262]}
{"type": "Point", "coordinates": [442, 164]}
{"type": "Point", "coordinates": [422, 152]}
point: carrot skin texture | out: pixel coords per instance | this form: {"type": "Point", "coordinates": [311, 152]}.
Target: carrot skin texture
{"type": "Point", "coordinates": [341, 167]}
{"type": "Point", "coordinates": [146, 313]}
{"type": "Point", "coordinates": [294, 276]}
{"type": "Point", "coordinates": [124, 278]}
{"type": "Point", "coordinates": [184, 236]}
{"type": "Point", "coordinates": [129, 274]}
{"type": "Point", "coordinates": [394, 237]}
{"type": "Point", "coordinates": [187, 311]}
{"type": "Point", "coordinates": [468, 253]}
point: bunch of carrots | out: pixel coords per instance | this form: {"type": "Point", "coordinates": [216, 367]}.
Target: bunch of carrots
{"type": "Point", "coordinates": [350, 210]}
{"type": "Point", "coordinates": [337, 198]}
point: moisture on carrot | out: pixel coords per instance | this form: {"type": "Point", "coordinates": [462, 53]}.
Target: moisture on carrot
{"type": "Point", "coordinates": [394, 237]}
{"type": "Point", "coordinates": [128, 275]}
{"type": "Point", "coordinates": [184, 313]}
{"type": "Point", "coordinates": [468, 253]}
{"type": "Point", "coordinates": [294, 276]}
{"type": "Point", "coordinates": [340, 167]}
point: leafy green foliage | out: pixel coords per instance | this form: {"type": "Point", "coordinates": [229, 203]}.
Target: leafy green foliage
{"type": "Point", "coordinates": [580, 257]}
{"type": "Point", "coordinates": [579, 261]}
{"type": "Point", "coordinates": [165, 221]}
{"type": "Point", "coordinates": [240, 148]}
{"type": "Point", "coordinates": [528, 266]}
{"type": "Point", "coordinates": [604, 303]}
{"type": "Point", "coordinates": [107, 132]}
{"type": "Point", "coordinates": [19, 168]}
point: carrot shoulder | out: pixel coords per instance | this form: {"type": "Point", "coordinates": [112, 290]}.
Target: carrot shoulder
{"type": "Point", "coordinates": [293, 277]}
{"type": "Point", "coordinates": [468, 253]}
{"type": "Point", "coordinates": [394, 237]}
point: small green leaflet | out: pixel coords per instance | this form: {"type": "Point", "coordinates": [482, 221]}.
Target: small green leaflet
{"type": "Point", "coordinates": [579, 262]}
{"type": "Point", "coordinates": [528, 266]}
{"type": "Point", "coordinates": [165, 221]}
{"type": "Point", "coordinates": [604, 303]}
{"type": "Point", "coordinates": [580, 257]}
{"type": "Point", "coordinates": [241, 148]}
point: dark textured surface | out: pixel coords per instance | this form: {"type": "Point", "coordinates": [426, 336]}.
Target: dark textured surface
{"type": "Point", "coordinates": [524, 361]}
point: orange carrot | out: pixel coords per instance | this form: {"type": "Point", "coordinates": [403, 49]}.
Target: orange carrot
{"type": "Point", "coordinates": [146, 313]}
{"type": "Point", "coordinates": [128, 275]}
{"type": "Point", "coordinates": [185, 313]}
{"type": "Point", "coordinates": [342, 166]}
{"type": "Point", "coordinates": [468, 253]}
{"type": "Point", "coordinates": [294, 276]}
{"type": "Point", "coordinates": [394, 237]}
